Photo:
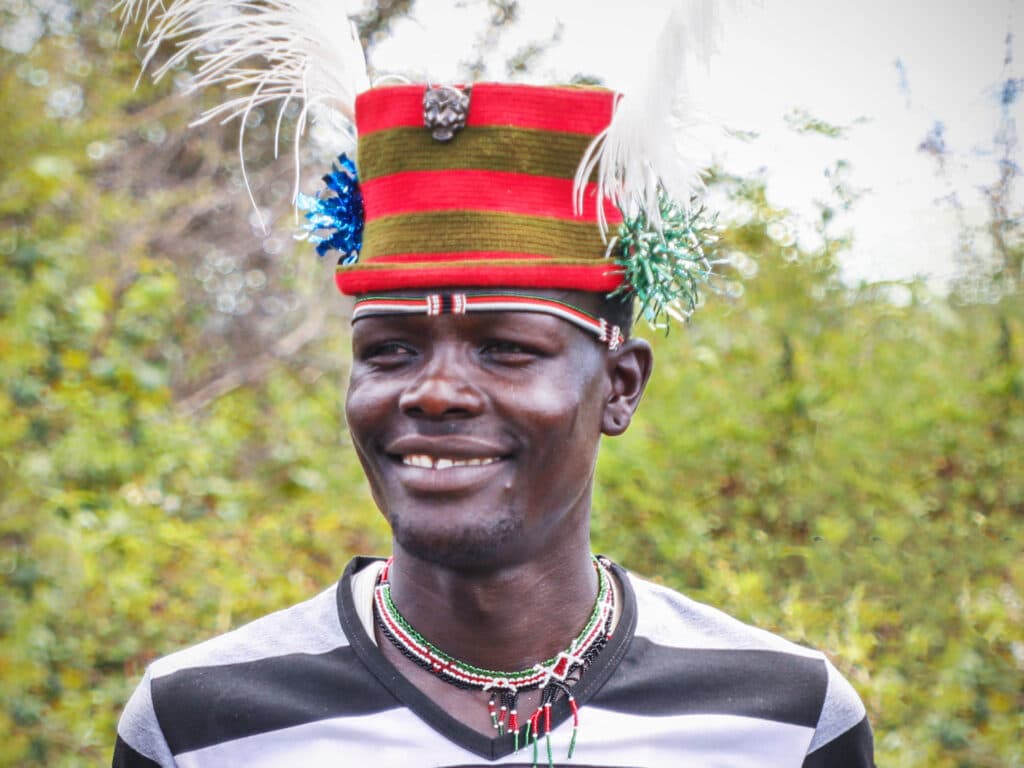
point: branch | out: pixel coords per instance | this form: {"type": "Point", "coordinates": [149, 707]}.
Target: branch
{"type": "Point", "coordinates": [376, 21]}
{"type": "Point", "coordinates": [252, 371]}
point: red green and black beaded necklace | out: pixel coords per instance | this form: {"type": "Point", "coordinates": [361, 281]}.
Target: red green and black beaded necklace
{"type": "Point", "coordinates": [552, 677]}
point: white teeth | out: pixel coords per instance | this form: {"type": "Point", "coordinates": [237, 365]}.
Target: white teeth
{"type": "Point", "coordinates": [428, 462]}
{"type": "Point", "coordinates": [418, 461]}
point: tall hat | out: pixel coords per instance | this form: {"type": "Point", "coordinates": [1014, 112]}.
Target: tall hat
{"type": "Point", "coordinates": [484, 186]}
{"type": "Point", "coordinates": [480, 192]}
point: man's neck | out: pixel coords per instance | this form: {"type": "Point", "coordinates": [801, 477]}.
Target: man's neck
{"type": "Point", "coordinates": [504, 619]}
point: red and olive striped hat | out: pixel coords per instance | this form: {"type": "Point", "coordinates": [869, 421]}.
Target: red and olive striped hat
{"type": "Point", "coordinates": [491, 206]}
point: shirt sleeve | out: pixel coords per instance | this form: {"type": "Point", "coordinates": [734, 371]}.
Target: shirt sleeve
{"type": "Point", "coordinates": [842, 738]}
{"type": "Point", "coordinates": [140, 741]}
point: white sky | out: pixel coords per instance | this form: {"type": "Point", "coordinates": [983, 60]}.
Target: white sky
{"type": "Point", "coordinates": [834, 59]}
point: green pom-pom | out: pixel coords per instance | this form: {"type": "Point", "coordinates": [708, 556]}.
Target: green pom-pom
{"type": "Point", "coordinates": [666, 270]}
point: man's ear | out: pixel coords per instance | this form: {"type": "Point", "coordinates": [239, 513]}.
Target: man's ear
{"type": "Point", "coordinates": [629, 368]}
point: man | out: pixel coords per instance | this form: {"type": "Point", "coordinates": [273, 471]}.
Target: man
{"type": "Point", "coordinates": [488, 361]}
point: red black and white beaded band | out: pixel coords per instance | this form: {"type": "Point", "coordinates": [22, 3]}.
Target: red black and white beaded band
{"type": "Point", "coordinates": [435, 304]}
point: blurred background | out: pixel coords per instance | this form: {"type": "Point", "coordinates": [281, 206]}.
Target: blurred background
{"type": "Point", "coordinates": [833, 448]}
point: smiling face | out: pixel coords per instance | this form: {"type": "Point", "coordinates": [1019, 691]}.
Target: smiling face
{"type": "Point", "coordinates": [479, 433]}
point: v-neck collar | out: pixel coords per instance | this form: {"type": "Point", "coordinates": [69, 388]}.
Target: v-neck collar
{"type": "Point", "coordinates": [452, 729]}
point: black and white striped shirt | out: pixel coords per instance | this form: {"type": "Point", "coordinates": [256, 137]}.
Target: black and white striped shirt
{"type": "Point", "coordinates": [680, 684]}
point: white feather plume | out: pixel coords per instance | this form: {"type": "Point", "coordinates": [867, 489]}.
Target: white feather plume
{"type": "Point", "coordinates": [273, 52]}
{"type": "Point", "coordinates": [649, 143]}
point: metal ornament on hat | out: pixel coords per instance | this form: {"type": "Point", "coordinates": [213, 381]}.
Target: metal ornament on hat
{"type": "Point", "coordinates": [445, 108]}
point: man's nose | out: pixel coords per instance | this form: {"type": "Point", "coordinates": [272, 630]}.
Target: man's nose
{"type": "Point", "coordinates": [443, 389]}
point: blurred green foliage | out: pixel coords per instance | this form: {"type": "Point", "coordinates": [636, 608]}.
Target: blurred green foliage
{"type": "Point", "coordinates": [842, 465]}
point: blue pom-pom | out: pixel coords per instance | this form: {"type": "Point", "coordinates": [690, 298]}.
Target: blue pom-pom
{"type": "Point", "coordinates": [339, 216]}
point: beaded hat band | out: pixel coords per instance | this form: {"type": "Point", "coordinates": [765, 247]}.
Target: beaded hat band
{"type": "Point", "coordinates": [434, 304]}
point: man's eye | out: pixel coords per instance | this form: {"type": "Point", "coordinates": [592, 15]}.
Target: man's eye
{"type": "Point", "coordinates": [509, 351]}
{"type": "Point", "coordinates": [389, 351]}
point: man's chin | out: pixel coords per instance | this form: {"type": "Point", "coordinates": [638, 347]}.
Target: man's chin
{"type": "Point", "coordinates": [467, 548]}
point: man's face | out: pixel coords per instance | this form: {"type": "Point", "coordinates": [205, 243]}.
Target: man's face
{"type": "Point", "coordinates": [478, 433]}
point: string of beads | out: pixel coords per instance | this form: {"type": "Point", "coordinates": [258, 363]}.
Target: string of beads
{"type": "Point", "coordinates": [553, 677]}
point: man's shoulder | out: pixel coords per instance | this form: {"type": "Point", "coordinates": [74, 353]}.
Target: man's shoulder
{"type": "Point", "coordinates": [286, 669]}
{"type": "Point", "coordinates": [309, 627]}
{"type": "Point", "coordinates": [691, 658]}
{"type": "Point", "coordinates": [667, 617]}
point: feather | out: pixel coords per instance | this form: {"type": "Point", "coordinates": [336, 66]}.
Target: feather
{"type": "Point", "coordinates": [274, 52]}
{"type": "Point", "coordinates": [649, 145]}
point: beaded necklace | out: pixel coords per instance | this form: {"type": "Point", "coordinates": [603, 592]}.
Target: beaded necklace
{"type": "Point", "coordinates": [554, 676]}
